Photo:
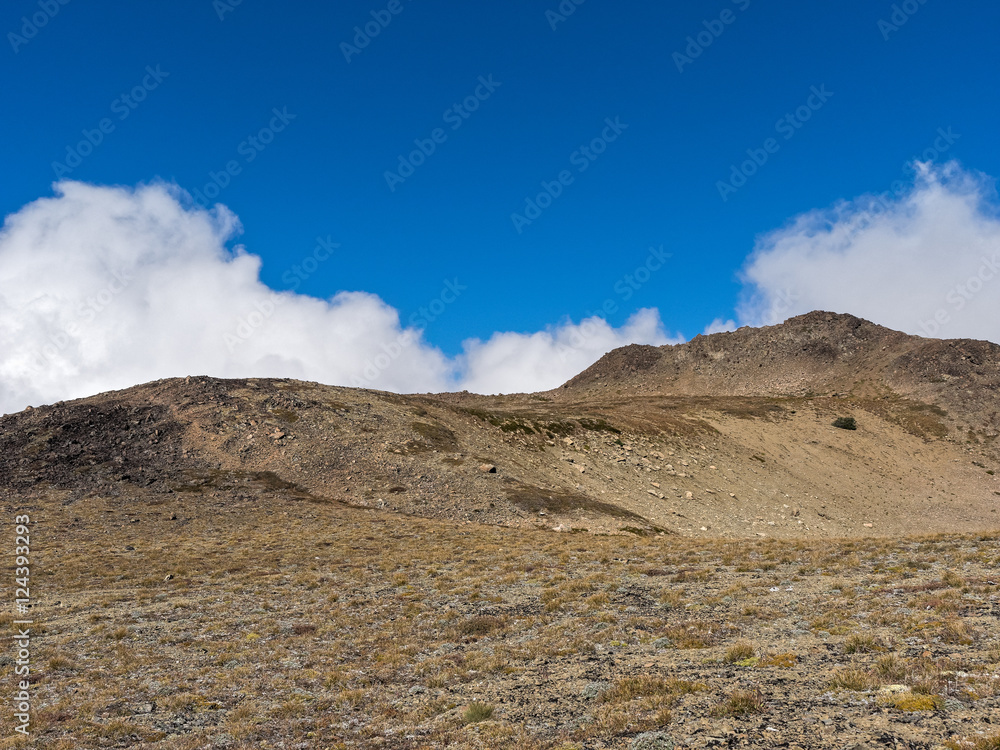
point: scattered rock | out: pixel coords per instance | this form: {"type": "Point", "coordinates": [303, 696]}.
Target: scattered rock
{"type": "Point", "coordinates": [593, 689]}
{"type": "Point", "coordinates": [488, 468]}
{"type": "Point", "coordinates": [652, 741]}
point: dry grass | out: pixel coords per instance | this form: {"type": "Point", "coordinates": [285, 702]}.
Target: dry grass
{"type": "Point", "coordinates": [741, 703]}
{"type": "Point", "coordinates": [989, 742]}
{"type": "Point", "coordinates": [697, 634]}
{"type": "Point", "coordinates": [476, 712]}
{"type": "Point", "coordinates": [786, 660]}
{"type": "Point", "coordinates": [739, 652]}
{"type": "Point", "coordinates": [863, 643]}
{"type": "Point", "coordinates": [337, 627]}
{"type": "Point", "coordinates": [853, 678]}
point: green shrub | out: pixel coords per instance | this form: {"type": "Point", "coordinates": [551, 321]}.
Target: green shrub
{"type": "Point", "coordinates": [477, 712]}
{"type": "Point", "coordinates": [845, 423]}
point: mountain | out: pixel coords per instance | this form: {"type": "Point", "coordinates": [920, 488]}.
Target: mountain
{"type": "Point", "coordinates": [727, 435]}
{"type": "Point", "coordinates": [272, 563]}
{"type": "Point", "coordinates": [816, 354]}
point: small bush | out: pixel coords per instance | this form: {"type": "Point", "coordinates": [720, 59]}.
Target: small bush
{"type": "Point", "coordinates": [738, 652]}
{"type": "Point", "coordinates": [783, 661]}
{"type": "Point", "coordinates": [845, 423]}
{"type": "Point", "coordinates": [742, 703]}
{"type": "Point", "coordinates": [915, 702]}
{"type": "Point", "coordinates": [476, 712]}
{"type": "Point", "coordinates": [891, 668]}
{"type": "Point", "coordinates": [853, 679]}
{"type": "Point", "coordinates": [862, 643]}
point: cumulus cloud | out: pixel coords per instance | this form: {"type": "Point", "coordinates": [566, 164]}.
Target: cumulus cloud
{"type": "Point", "coordinates": [105, 287]}
{"type": "Point", "coordinates": [510, 362]}
{"type": "Point", "coordinates": [719, 326]}
{"type": "Point", "coordinates": [924, 259]}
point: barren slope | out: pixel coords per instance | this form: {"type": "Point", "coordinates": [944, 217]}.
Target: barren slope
{"type": "Point", "coordinates": [729, 435]}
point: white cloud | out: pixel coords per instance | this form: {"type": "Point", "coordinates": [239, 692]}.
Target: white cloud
{"type": "Point", "coordinates": [106, 287]}
{"type": "Point", "coordinates": [719, 325]}
{"type": "Point", "coordinates": [510, 362]}
{"type": "Point", "coordinates": [926, 261]}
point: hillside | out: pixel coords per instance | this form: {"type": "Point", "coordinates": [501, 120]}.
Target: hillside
{"type": "Point", "coordinates": [814, 355]}
{"type": "Point", "coordinates": [271, 563]}
{"type": "Point", "coordinates": [729, 435]}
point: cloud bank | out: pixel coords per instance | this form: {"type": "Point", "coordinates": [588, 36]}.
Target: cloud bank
{"type": "Point", "coordinates": [924, 259]}
{"type": "Point", "coordinates": [106, 287]}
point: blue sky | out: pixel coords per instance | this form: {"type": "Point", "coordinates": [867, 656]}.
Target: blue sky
{"type": "Point", "coordinates": [889, 89]}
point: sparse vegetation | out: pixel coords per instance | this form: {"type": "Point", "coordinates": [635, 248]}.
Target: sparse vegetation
{"type": "Point", "coordinates": [862, 643]}
{"type": "Point", "coordinates": [853, 678]}
{"type": "Point", "coordinates": [223, 585]}
{"type": "Point", "coordinates": [845, 423]}
{"type": "Point", "coordinates": [742, 703]}
{"type": "Point", "coordinates": [477, 712]}
{"type": "Point", "coordinates": [739, 652]}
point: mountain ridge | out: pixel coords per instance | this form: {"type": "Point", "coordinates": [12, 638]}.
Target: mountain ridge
{"type": "Point", "coordinates": [728, 435]}
{"type": "Point", "coordinates": [819, 353]}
